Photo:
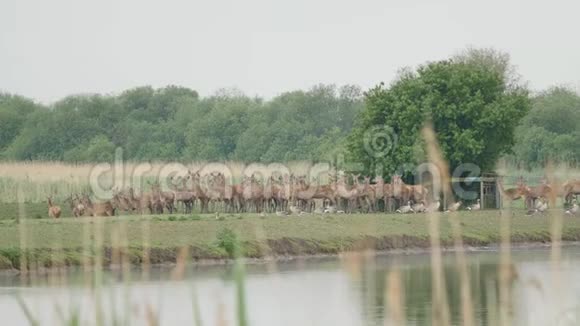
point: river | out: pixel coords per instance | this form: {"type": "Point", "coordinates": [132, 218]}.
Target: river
{"type": "Point", "coordinates": [314, 291]}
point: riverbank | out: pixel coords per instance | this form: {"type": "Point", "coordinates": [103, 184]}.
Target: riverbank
{"type": "Point", "coordinates": [42, 243]}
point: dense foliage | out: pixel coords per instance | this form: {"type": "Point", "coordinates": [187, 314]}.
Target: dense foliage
{"type": "Point", "coordinates": [474, 101]}
{"type": "Point", "coordinates": [551, 131]}
{"type": "Point", "coordinates": [174, 123]}
{"type": "Point", "coordinates": [470, 100]}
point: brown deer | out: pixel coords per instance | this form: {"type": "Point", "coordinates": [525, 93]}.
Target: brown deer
{"type": "Point", "coordinates": [53, 210]}
{"type": "Point", "coordinates": [570, 189]}
{"type": "Point", "coordinates": [122, 201]}
{"type": "Point", "coordinates": [198, 191]}
{"type": "Point", "coordinates": [348, 194]}
{"type": "Point", "coordinates": [98, 209]}
{"type": "Point", "coordinates": [512, 194]}
{"type": "Point", "coordinates": [543, 190]}
{"type": "Point", "coordinates": [77, 208]}
{"type": "Point", "coordinates": [187, 198]}
{"type": "Point", "coordinates": [402, 191]}
{"type": "Point", "coordinates": [167, 198]}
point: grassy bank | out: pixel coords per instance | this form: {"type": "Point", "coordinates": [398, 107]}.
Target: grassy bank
{"type": "Point", "coordinates": [159, 239]}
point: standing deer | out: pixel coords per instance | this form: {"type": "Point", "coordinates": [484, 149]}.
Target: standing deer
{"type": "Point", "coordinates": [543, 190]}
{"type": "Point", "coordinates": [53, 210]}
{"type": "Point", "coordinates": [512, 194]}
{"type": "Point", "coordinates": [98, 209]}
{"type": "Point", "coordinates": [77, 208]}
{"type": "Point", "coordinates": [404, 192]}
{"type": "Point", "coordinates": [571, 188]}
{"type": "Point", "coordinates": [184, 196]}
{"type": "Point", "coordinates": [162, 199]}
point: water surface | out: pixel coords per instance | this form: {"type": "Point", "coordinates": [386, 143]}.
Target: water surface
{"type": "Point", "coordinates": [321, 291]}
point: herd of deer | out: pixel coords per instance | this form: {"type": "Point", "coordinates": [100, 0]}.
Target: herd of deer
{"type": "Point", "coordinates": [285, 194]}
{"type": "Point", "coordinates": [536, 198]}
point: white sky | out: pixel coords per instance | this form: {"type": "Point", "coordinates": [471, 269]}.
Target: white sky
{"type": "Point", "coordinates": [50, 49]}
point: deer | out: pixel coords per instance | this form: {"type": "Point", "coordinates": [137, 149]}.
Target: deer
{"type": "Point", "coordinates": [98, 209]}
{"type": "Point", "coordinates": [77, 208]}
{"type": "Point", "coordinates": [53, 210]}
{"type": "Point", "coordinates": [122, 201]}
{"type": "Point", "coordinates": [144, 202]}
{"type": "Point", "coordinates": [252, 193]}
{"type": "Point", "coordinates": [543, 190]}
{"type": "Point", "coordinates": [512, 194]}
{"type": "Point", "coordinates": [162, 199]}
{"type": "Point", "coordinates": [198, 191]}
{"type": "Point", "coordinates": [342, 192]}
{"type": "Point", "coordinates": [388, 194]}
{"type": "Point", "coordinates": [406, 192]}
{"type": "Point", "coordinates": [571, 188]}
{"type": "Point", "coordinates": [187, 198]}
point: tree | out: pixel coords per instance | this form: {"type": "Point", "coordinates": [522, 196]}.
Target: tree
{"type": "Point", "coordinates": [13, 113]}
{"type": "Point", "coordinates": [550, 132]}
{"type": "Point", "coordinates": [473, 108]}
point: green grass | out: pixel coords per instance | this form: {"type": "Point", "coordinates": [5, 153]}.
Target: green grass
{"type": "Point", "coordinates": [259, 236]}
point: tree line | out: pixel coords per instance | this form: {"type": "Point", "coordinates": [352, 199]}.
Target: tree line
{"type": "Point", "coordinates": [475, 101]}
{"type": "Point", "coordinates": [175, 123]}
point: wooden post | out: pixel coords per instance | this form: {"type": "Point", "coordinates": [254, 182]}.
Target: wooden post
{"type": "Point", "coordinates": [481, 197]}
{"type": "Point", "coordinates": [498, 196]}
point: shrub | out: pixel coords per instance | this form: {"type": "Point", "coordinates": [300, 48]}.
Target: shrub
{"type": "Point", "coordinates": [227, 240]}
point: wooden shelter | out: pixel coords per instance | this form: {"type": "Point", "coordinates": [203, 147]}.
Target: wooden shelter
{"type": "Point", "coordinates": [486, 188]}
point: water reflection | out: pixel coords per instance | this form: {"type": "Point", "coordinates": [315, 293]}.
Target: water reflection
{"type": "Point", "coordinates": [312, 292]}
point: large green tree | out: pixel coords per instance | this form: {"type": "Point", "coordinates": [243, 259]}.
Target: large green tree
{"type": "Point", "coordinates": [473, 101]}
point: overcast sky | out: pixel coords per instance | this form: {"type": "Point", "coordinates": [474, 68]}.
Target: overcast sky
{"type": "Point", "coordinates": [50, 49]}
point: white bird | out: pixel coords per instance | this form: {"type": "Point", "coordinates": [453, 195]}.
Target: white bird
{"type": "Point", "coordinates": [541, 206]}
{"type": "Point", "coordinates": [281, 213]}
{"type": "Point", "coordinates": [294, 209]}
{"type": "Point", "coordinates": [340, 212]}
{"type": "Point", "coordinates": [434, 207]}
{"type": "Point", "coordinates": [318, 210]}
{"type": "Point", "coordinates": [405, 209]}
{"type": "Point", "coordinates": [419, 207]}
{"type": "Point", "coordinates": [454, 207]}
{"type": "Point", "coordinates": [573, 210]}
{"type": "Point", "coordinates": [475, 207]}
{"type": "Point", "coordinates": [330, 210]}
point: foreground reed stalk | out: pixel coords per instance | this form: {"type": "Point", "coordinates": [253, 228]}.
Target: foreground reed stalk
{"type": "Point", "coordinates": [395, 294]}
{"type": "Point", "coordinates": [466, 302]}
{"type": "Point", "coordinates": [505, 271]}
{"type": "Point", "coordinates": [440, 305]}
